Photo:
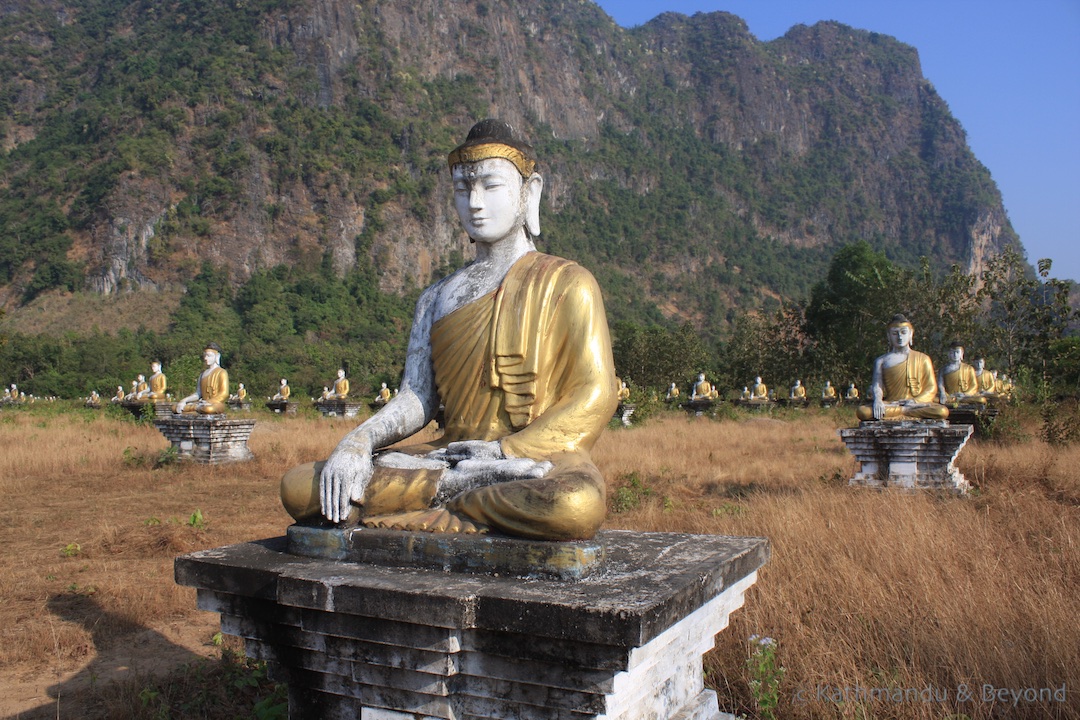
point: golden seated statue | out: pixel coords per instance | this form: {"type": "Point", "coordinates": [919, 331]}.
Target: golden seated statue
{"type": "Point", "coordinates": [516, 347]}
{"type": "Point", "coordinates": [760, 392]}
{"type": "Point", "coordinates": [212, 391]}
{"type": "Point", "coordinates": [958, 384]}
{"type": "Point", "coordinates": [903, 385]}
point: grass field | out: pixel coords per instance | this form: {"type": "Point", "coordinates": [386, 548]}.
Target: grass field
{"type": "Point", "coordinates": [865, 589]}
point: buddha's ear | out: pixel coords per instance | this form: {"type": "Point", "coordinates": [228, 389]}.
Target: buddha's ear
{"type": "Point", "coordinates": [534, 187]}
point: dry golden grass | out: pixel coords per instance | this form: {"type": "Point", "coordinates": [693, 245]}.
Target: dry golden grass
{"type": "Point", "coordinates": [864, 589]}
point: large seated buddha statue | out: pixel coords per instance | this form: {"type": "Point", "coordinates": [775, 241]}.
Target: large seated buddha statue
{"type": "Point", "coordinates": [702, 390]}
{"type": "Point", "coordinates": [515, 345]}
{"type": "Point", "coordinates": [852, 392]}
{"type": "Point", "coordinates": [212, 389]}
{"type": "Point", "coordinates": [987, 380]}
{"type": "Point", "coordinates": [283, 392]}
{"type": "Point", "coordinates": [904, 385]}
{"type": "Point", "coordinates": [624, 391]}
{"type": "Point", "coordinates": [798, 391]}
{"type": "Point", "coordinates": [760, 392]}
{"type": "Point", "coordinates": [828, 393]}
{"type": "Point", "coordinates": [957, 381]}
{"type": "Point", "coordinates": [158, 383]}
{"type": "Point", "coordinates": [341, 387]}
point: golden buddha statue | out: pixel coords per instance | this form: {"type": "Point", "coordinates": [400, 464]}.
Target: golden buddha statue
{"type": "Point", "coordinates": [798, 392]}
{"type": "Point", "coordinates": [760, 392]}
{"type": "Point", "coordinates": [341, 387]}
{"type": "Point", "coordinates": [240, 395]}
{"type": "Point", "coordinates": [828, 392]}
{"type": "Point", "coordinates": [904, 385]}
{"type": "Point", "coordinates": [852, 392]}
{"type": "Point", "coordinates": [515, 345]}
{"type": "Point", "coordinates": [384, 395]}
{"type": "Point", "coordinates": [673, 392]}
{"type": "Point", "coordinates": [157, 382]}
{"type": "Point", "coordinates": [702, 390]}
{"type": "Point", "coordinates": [283, 391]}
{"type": "Point", "coordinates": [957, 381]}
{"type": "Point", "coordinates": [212, 388]}
{"type": "Point", "coordinates": [119, 396]}
{"type": "Point", "coordinates": [987, 382]}
{"type": "Point", "coordinates": [746, 394]}
{"type": "Point", "coordinates": [624, 391]}
{"type": "Point", "coordinates": [13, 393]}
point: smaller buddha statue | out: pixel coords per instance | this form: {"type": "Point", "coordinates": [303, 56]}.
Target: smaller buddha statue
{"type": "Point", "coordinates": [904, 385]}
{"type": "Point", "coordinates": [212, 388]}
{"type": "Point", "coordinates": [341, 387]}
{"type": "Point", "coordinates": [828, 393]}
{"type": "Point", "coordinates": [119, 396]}
{"type": "Point", "coordinates": [852, 392]}
{"type": "Point", "coordinates": [624, 392]}
{"type": "Point", "coordinates": [130, 397]}
{"type": "Point", "coordinates": [158, 383]}
{"type": "Point", "coordinates": [798, 392]}
{"type": "Point", "coordinates": [702, 390]}
{"type": "Point", "coordinates": [13, 393]}
{"type": "Point", "coordinates": [987, 382]}
{"type": "Point", "coordinates": [240, 395]}
{"type": "Point", "coordinates": [325, 395]}
{"type": "Point", "coordinates": [672, 393]}
{"type": "Point", "coordinates": [1004, 386]}
{"type": "Point", "coordinates": [957, 381]}
{"type": "Point", "coordinates": [760, 392]}
{"type": "Point", "coordinates": [283, 391]}
{"type": "Point", "coordinates": [384, 395]}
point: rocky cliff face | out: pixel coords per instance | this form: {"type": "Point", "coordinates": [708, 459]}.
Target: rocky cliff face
{"type": "Point", "coordinates": [314, 131]}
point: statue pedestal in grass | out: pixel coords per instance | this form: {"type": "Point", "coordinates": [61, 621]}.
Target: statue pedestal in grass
{"type": "Point", "coordinates": [416, 626]}
{"type": "Point", "coordinates": [699, 406]}
{"type": "Point", "coordinates": [339, 408]}
{"type": "Point", "coordinates": [210, 439]}
{"type": "Point", "coordinates": [624, 412]}
{"type": "Point", "coordinates": [909, 455]}
{"type": "Point", "coordinates": [240, 405]}
{"type": "Point", "coordinates": [282, 407]}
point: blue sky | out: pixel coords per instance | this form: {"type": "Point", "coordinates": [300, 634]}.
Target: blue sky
{"type": "Point", "coordinates": [1009, 70]}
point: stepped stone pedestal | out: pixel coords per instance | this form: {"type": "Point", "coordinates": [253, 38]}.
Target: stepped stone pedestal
{"type": "Point", "coordinates": [240, 405]}
{"type": "Point", "coordinates": [210, 439]}
{"type": "Point", "coordinates": [283, 407]}
{"type": "Point", "coordinates": [380, 625]}
{"type": "Point", "coordinates": [149, 409]}
{"type": "Point", "coordinates": [910, 455]}
{"type": "Point", "coordinates": [624, 412]}
{"type": "Point", "coordinates": [698, 407]}
{"type": "Point", "coordinates": [339, 408]}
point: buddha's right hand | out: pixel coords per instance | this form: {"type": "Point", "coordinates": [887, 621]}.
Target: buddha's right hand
{"type": "Point", "coordinates": [345, 478]}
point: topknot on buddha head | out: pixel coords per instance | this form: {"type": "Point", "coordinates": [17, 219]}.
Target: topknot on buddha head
{"type": "Point", "coordinates": [491, 138]}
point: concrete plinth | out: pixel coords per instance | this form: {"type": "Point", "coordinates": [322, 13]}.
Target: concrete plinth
{"type": "Point", "coordinates": [909, 455]}
{"type": "Point", "coordinates": [211, 439]}
{"type": "Point", "coordinates": [698, 407]}
{"type": "Point", "coordinates": [281, 406]}
{"type": "Point", "coordinates": [624, 412]}
{"type": "Point", "coordinates": [339, 408]}
{"type": "Point", "coordinates": [240, 405]}
{"type": "Point", "coordinates": [379, 642]}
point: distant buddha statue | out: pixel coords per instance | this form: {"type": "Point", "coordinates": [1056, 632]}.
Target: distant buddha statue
{"type": "Point", "coordinates": [702, 390]}
{"type": "Point", "coordinates": [119, 396]}
{"type": "Point", "coordinates": [746, 394]}
{"type": "Point", "coordinates": [515, 345]}
{"type": "Point", "coordinates": [1004, 386]}
{"type": "Point", "coordinates": [798, 392]}
{"type": "Point", "coordinates": [987, 384]}
{"type": "Point", "coordinates": [957, 381]}
{"type": "Point", "coordinates": [904, 385]}
{"type": "Point", "coordinates": [326, 394]}
{"type": "Point", "coordinates": [624, 392]}
{"type": "Point", "coordinates": [158, 383]}
{"type": "Point", "coordinates": [212, 388]}
{"type": "Point", "coordinates": [241, 394]}
{"type": "Point", "coordinates": [384, 395]}
{"type": "Point", "coordinates": [673, 392]}
{"type": "Point", "coordinates": [12, 394]}
{"type": "Point", "coordinates": [283, 391]}
{"type": "Point", "coordinates": [828, 392]}
{"type": "Point", "coordinates": [341, 386]}
{"type": "Point", "coordinates": [759, 391]}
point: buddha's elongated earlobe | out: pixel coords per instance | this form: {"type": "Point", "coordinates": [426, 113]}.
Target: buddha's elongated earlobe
{"type": "Point", "coordinates": [534, 188]}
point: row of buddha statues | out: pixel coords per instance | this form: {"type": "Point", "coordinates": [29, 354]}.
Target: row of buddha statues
{"type": "Point", "coordinates": [14, 396]}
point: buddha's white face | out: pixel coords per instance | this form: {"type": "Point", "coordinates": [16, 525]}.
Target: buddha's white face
{"type": "Point", "coordinates": [980, 364]}
{"type": "Point", "coordinates": [489, 200]}
{"type": "Point", "coordinates": [956, 354]}
{"type": "Point", "coordinates": [210, 358]}
{"type": "Point", "coordinates": [900, 336]}
{"type": "Point", "coordinates": [340, 374]}
{"type": "Point", "coordinates": [156, 367]}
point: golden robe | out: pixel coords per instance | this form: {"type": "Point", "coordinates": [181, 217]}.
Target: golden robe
{"type": "Point", "coordinates": [761, 392]}
{"type": "Point", "coordinates": [213, 393]}
{"type": "Point", "coordinates": [341, 388]}
{"type": "Point", "coordinates": [530, 366]}
{"type": "Point", "coordinates": [157, 386]}
{"type": "Point", "coordinates": [829, 393]}
{"type": "Point", "coordinates": [987, 383]}
{"type": "Point", "coordinates": [798, 392]}
{"type": "Point", "coordinates": [284, 392]}
{"type": "Point", "coordinates": [703, 389]}
{"type": "Point", "coordinates": [962, 384]}
{"type": "Point", "coordinates": [912, 379]}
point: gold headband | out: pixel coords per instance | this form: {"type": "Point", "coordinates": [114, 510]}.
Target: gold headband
{"type": "Point", "coordinates": [900, 323]}
{"type": "Point", "coordinates": [486, 151]}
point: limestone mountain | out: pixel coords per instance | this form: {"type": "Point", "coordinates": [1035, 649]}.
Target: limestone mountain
{"type": "Point", "coordinates": [696, 170]}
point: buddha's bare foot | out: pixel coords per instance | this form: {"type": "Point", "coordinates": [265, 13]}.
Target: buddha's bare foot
{"type": "Point", "coordinates": [435, 520]}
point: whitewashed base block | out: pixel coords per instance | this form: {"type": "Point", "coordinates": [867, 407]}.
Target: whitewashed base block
{"type": "Point", "coordinates": [908, 455]}
{"type": "Point", "coordinates": [209, 439]}
{"type": "Point", "coordinates": [355, 640]}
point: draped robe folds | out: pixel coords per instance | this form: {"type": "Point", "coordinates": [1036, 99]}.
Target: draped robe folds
{"type": "Point", "coordinates": [341, 388]}
{"type": "Point", "coordinates": [530, 366]}
{"type": "Point", "coordinates": [987, 383]}
{"type": "Point", "coordinates": [962, 385]}
{"type": "Point", "coordinates": [911, 380]}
